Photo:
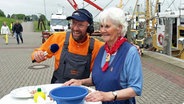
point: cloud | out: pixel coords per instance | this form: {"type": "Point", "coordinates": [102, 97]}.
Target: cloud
{"type": "Point", "coordinates": [29, 7]}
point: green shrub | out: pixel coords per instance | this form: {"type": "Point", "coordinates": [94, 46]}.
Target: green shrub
{"type": "Point", "coordinates": [7, 20]}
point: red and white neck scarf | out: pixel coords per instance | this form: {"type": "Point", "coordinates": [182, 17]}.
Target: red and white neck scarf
{"type": "Point", "coordinates": [111, 51]}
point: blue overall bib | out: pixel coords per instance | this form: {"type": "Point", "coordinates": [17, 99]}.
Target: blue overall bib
{"type": "Point", "coordinates": [110, 79]}
{"type": "Point", "coordinates": [73, 65]}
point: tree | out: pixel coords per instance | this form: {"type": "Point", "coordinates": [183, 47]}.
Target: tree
{"type": "Point", "coordinates": [42, 17]}
{"type": "Point", "coordinates": [41, 23]}
{"type": "Point", "coordinates": [18, 16]}
{"type": "Point", "coordinates": [34, 17]}
{"type": "Point", "coordinates": [27, 18]}
{"type": "Point", "coordinates": [2, 13]}
{"type": "Point", "coordinates": [14, 16]}
{"type": "Point", "coordinates": [8, 16]}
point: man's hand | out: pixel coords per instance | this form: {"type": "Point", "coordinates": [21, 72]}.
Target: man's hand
{"type": "Point", "coordinates": [138, 49]}
{"type": "Point", "coordinates": [39, 56]}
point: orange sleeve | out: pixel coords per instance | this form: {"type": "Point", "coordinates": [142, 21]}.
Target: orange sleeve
{"type": "Point", "coordinates": [59, 38]}
{"type": "Point", "coordinates": [56, 38]}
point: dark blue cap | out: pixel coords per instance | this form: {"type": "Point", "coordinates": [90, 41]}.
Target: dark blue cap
{"type": "Point", "coordinates": [81, 15]}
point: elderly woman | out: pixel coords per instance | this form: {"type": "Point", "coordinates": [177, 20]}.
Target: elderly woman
{"type": "Point", "coordinates": [117, 71]}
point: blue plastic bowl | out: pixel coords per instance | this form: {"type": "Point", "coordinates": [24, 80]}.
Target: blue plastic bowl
{"type": "Point", "coordinates": [69, 94]}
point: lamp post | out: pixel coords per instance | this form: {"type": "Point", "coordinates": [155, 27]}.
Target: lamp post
{"type": "Point", "coordinates": [45, 15]}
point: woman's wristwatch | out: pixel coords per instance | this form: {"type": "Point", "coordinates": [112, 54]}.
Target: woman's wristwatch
{"type": "Point", "coordinates": [114, 93]}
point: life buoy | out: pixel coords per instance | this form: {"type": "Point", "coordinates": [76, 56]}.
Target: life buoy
{"type": "Point", "coordinates": [160, 38]}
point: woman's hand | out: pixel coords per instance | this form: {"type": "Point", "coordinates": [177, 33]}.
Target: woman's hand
{"type": "Point", "coordinates": [74, 82]}
{"type": "Point", "coordinates": [99, 96]}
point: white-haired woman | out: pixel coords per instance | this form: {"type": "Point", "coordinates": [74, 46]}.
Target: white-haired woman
{"type": "Point", "coordinates": [117, 71]}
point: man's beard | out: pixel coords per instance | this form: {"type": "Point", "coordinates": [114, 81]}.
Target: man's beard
{"type": "Point", "coordinates": [80, 38]}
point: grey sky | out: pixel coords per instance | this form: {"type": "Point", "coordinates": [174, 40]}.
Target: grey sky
{"type": "Point", "coordinates": [29, 7]}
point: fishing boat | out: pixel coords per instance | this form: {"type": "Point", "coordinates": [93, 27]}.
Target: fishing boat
{"type": "Point", "coordinates": [162, 32]}
{"type": "Point", "coordinates": [169, 36]}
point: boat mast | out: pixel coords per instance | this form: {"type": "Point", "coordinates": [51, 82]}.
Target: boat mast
{"type": "Point", "coordinates": [148, 18]}
{"type": "Point", "coordinates": [157, 9]}
{"type": "Point", "coordinates": [120, 5]}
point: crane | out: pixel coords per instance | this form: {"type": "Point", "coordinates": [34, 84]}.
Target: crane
{"type": "Point", "coordinates": [120, 5]}
{"type": "Point", "coordinates": [75, 6]}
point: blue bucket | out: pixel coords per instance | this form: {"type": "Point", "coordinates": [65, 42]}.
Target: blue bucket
{"type": "Point", "coordinates": [69, 94]}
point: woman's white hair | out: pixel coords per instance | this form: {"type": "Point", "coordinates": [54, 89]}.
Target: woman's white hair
{"type": "Point", "coordinates": [116, 16]}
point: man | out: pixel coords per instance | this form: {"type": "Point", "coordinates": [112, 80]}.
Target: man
{"type": "Point", "coordinates": [17, 29]}
{"type": "Point", "coordinates": [77, 50]}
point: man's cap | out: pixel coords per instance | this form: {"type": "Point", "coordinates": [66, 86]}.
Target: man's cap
{"type": "Point", "coordinates": [81, 15]}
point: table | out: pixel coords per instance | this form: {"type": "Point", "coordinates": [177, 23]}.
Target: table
{"type": "Point", "coordinates": [12, 99]}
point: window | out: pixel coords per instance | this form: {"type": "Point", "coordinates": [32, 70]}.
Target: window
{"type": "Point", "coordinates": [62, 22]}
{"type": "Point", "coordinates": [181, 32]}
{"type": "Point", "coordinates": [160, 21]}
{"type": "Point", "coordinates": [182, 20]}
